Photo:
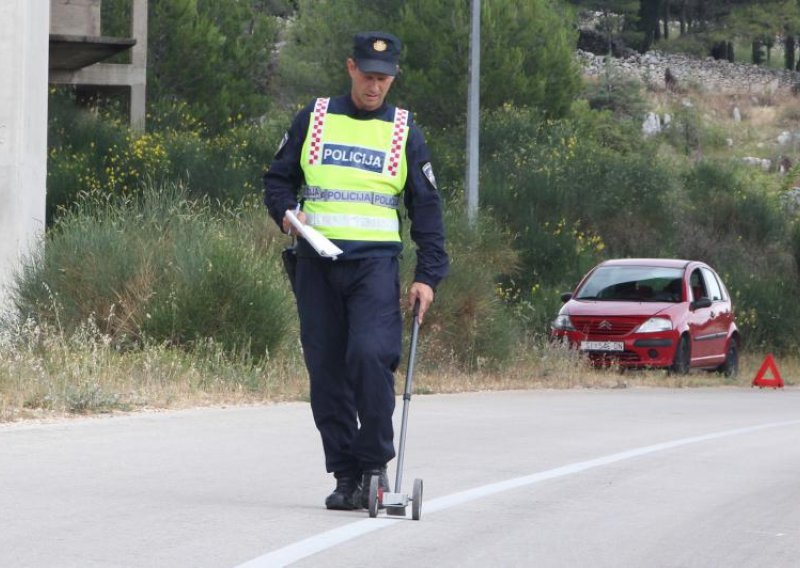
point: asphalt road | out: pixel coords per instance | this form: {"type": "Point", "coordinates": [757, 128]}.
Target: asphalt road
{"type": "Point", "coordinates": [629, 477]}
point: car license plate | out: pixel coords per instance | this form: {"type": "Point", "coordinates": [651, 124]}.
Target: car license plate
{"type": "Point", "coordinates": [602, 346]}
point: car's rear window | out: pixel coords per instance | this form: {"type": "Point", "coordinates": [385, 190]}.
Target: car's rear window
{"type": "Point", "coordinates": [633, 283]}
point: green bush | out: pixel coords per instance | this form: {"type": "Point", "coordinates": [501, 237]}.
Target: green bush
{"type": "Point", "coordinates": [690, 135]}
{"type": "Point", "coordinates": [764, 304]}
{"type": "Point", "coordinates": [730, 214]}
{"type": "Point", "coordinates": [160, 268]}
{"type": "Point", "coordinates": [449, 159]}
{"type": "Point", "coordinates": [568, 196]}
{"type": "Point", "coordinates": [96, 152]}
{"type": "Point", "coordinates": [557, 196]}
{"type": "Point", "coordinates": [574, 192]}
{"type": "Point", "coordinates": [79, 144]}
{"type": "Point", "coordinates": [617, 93]}
{"type": "Point", "coordinates": [470, 326]}
{"type": "Point", "coordinates": [694, 45]}
{"type": "Point", "coordinates": [795, 240]}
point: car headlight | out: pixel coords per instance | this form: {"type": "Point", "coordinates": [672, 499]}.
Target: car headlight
{"type": "Point", "coordinates": [655, 324]}
{"type": "Point", "coordinates": [563, 323]}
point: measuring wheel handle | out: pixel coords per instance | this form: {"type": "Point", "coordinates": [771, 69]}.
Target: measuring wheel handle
{"type": "Point", "coordinates": [374, 496]}
{"type": "Point", "coordinates": [416, 500]}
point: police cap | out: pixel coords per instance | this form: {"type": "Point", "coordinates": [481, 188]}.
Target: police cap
{"type": "Point", "coordinates": [376, 52]}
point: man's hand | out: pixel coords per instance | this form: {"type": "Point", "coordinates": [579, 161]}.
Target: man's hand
{"type": "Point", "coordinates": [287, 225]}
{"type": "Point", "coordinates": [424, 294]}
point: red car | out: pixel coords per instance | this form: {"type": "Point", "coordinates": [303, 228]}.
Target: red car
{"type": "Point", "coordinates": [674, 314]}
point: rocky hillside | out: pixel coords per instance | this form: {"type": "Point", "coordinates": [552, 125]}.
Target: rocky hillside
{"type": "Point", "coordinates": [748, 112]}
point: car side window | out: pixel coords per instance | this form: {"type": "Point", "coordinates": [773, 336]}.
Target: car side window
{"type": "Point", "coordinates": [698, 285]}
{"type": "Point", "coordinates": [714, 291]}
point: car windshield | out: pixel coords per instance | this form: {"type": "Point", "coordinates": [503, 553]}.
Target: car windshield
{"type": "Point", "coordinates": [634, 284]}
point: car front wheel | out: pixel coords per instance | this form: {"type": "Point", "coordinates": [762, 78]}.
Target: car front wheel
{"type": "Point", "coordinates": [682, 361]}
{"type": "Point", "coordinates": [730, 368]}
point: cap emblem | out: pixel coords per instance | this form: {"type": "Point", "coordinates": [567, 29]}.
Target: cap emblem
{"type": "Point", "coordinates": [379, 45]}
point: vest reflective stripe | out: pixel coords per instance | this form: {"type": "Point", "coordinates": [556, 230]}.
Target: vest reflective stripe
{"type": "Point", "coordinates": [355, 171]}
{"type": "Point", "coordinates": [398, 137]}
{"type": "Point", "coordinates": [315, 130]}
{"type": "Point", "coordinates": [347, 196]}
{"type": "Point", "coordinates": [321, 220]}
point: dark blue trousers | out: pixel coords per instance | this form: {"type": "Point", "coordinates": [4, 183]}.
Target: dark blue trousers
{"type": "Point", "coordinates": [351, 332]}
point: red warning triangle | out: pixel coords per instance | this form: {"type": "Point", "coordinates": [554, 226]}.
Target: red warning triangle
{"type": "Point", "coordinates": [768, 365]}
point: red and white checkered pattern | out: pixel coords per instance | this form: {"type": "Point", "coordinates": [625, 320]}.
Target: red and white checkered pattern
{"type": "Point", "coordinates": [398, 135]}
{"type": "Point", "coordinates": [315, 146]}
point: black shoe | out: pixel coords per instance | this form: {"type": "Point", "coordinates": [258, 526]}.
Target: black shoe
{"type": "Point", "coordinates": [383, 484]}
{"type": "Point", "coordinates": [347, 495]}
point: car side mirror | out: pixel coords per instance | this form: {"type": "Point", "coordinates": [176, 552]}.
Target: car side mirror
{"type": "Point", "coordinates": [701, 303]}
{"type": "Point", "coordinates": [566, 297]}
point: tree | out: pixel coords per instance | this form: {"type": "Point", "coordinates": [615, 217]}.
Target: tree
{"type": "Point", "coordinates": [764, 21]}
{"type": "Point", "coordinates": [789, 46]}
{"type": "Point", "coordinates": [318, 41]}
{"type": "Point", "coordinates": [526, 59]}
{"type": "Point", "coordinates": [210, 54]}
{"type": "Point", "coordinates": [708, 20]}
{"type": "Point", "coordinates": [666, 14]}
{"type": "Point", "coordinates": [527, 54]}
{"type": "Point", "coordinates": [614, 16]}
{"type": "Point", "coordinates": [649, 12]}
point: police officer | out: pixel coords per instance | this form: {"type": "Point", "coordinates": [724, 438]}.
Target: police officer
{"type": "Point", "coordinates": [349, 160]}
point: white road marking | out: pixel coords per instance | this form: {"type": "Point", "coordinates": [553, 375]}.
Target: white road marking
{"type": "Point", "coordinates": [323, 541]}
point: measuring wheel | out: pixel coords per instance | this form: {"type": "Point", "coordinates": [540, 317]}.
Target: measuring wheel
{"type": "Point", "coordinates": [374, 495]}
{"type": "Point", "coordinates": [416, 500]}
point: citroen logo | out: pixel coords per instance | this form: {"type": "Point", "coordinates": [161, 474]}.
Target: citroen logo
{"type": "Point", "coordinates": [605, 324]}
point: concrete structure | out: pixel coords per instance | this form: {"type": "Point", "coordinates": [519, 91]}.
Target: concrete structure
{"type": "Point", "coordinates": [77, 46]}
{"type": "Point", "coordinates": [30, 57]}
{"type": "Point", "coordinates": [23, 131]}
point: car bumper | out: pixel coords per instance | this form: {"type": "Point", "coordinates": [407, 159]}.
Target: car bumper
{"type": "Point", "coordinates": [640, 350]}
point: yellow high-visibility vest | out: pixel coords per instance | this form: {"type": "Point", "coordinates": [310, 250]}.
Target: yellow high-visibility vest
{"type": "Point", "coordinates": [355, 171]}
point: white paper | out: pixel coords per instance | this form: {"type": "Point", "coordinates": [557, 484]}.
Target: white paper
{"type": "Point", "coordinates": [316, 239]}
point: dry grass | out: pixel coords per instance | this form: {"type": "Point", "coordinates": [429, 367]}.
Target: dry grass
{"type": "Point", "coordinates": [552, 368]}
{"type": "Point", "coordinates": [763, 118]}
{"type": "Point", "coordinates": [46, 375]}
{"type": "Point", "coordinates": [49, 376]}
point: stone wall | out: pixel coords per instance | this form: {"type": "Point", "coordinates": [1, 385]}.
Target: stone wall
{"type": "Point", "coordinates": [710, 74]}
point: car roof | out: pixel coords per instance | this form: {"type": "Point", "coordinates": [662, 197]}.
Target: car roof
{"type": "Point", "coordinates": [657, 262]}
